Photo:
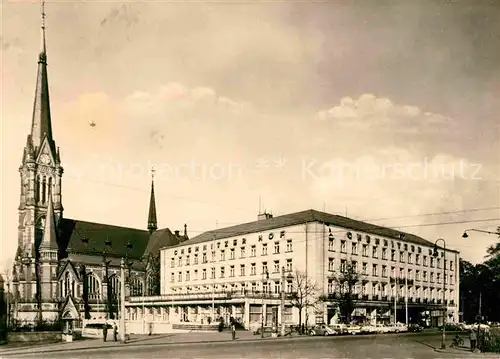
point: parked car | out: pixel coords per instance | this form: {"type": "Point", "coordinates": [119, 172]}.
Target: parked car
{"type": "Point", "coordinates": [368, 329]}
{"type": "Point", "coordinates": [399, 328]}
{"type": "Point", "coordinates": [415, 328]}
{"type": "Point", "coordinates": [353, 329]}
{"type": "Point", "coordinates": [322, 329]}
{"type": "Point", "coordinates": [339, 328]}
{"type": "Point", "coordinates": [382, 328]}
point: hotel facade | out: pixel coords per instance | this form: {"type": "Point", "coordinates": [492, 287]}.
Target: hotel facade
{"type": "Point", "coordinates": [239, 272]}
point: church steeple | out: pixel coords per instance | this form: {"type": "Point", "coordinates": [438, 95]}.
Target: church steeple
{"type": "Point", "coordinates": [41, 125]}
{"type": "Point", "coordinates": [152, 223]}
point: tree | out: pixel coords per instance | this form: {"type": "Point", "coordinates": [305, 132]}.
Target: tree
{"type": "Point", "coordinates": [153, 275]}
{"type": "Point", "coordinates": [303, 294]}
{"type": "Point", "coordinates": [85, 294]}
{"type": "Point", "coordinates": [345, 296]}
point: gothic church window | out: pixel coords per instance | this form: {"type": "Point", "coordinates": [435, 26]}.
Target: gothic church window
{"type": "Point", "coordinates": [37, 189]}
{"type": "Point", "coordinates": [114, 283]}
{"type": "Point", "coordinates": [44, 189]}
{"type": "Point", "coordinates": [93, 286]}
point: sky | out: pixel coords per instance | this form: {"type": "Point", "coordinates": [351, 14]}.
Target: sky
{"type": "Point", "coordinates": [382, 111]}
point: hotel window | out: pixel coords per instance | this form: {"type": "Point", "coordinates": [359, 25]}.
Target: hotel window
{"type": "Point", "coordinates": [289, 245]}
{"type": "Point", "coordinates": [231, 271]}
{"type": "Point", "coordinates": [222, 272]}
{"type": "Point", "coordinates": [343, 265]}
{"type": "Point", "coordinates": [276, 266]}
{"type": "Point", "coordinates": [401, 273]}
{"type": "Point", "coordinates": [179, 279]}
{"type": "Point", "coordinates": [401, 257]}
{"type": "Point", "coordinates": [231, 253]}
{"type": "Point", "coordinates": [438, 278]}
{"type": "Point", "coordinates": [331, 264]}
{"type": "Point", "coordinates": [425, 261]}
{"type": "Point", "coordinates": [180, 262]}
{"type": "Point", "coordinates": [410, 258]}
{"type": "Point", "coordinates": [432, 262]}
{"type": "Point", "coordinates": [393, 255]}
{"type": "Point", "coordinates": [288, 265]}
{"type": "Point", "coordinates": [384, 253]}
{"type": "Point", "coordinates": [264, 249]}
{"type": "Point", "coordinates": [187, 276]}
{"type": "Point", "coordinates": [374, 252]}
{"type": "Point", "coordinates": [172, 277]}
{"type": "Point", "coordinates": [213, 256]}
{"type": "Point", "coordinates": [374, 270]}
{"type": "Point", "coordinates": [222, 255]}
{"type": "Point", "coordinates": [172, 263]}
{"type": "Point", "coordinates": [354, 266]}
{"type": "Point", "coordinates": [253, 269]}
{"type": "Point", "coordinates": [451, 265]}
{"type": "Point", "coordinates": [253, 250]}
{"type": "Point", "coordinates": [289, 286]}
{"type": "Point", "coordinates": [242, 270]}
{"type": "Point", "coordinates": [425, 276]}
{"type": "Point", "coordinates": [374, 290]}
{"type": "Point", "coordinates": [393, 272]}
{"type": "Point", "coordinates": [277, 288]}
{"type": "Point", "coordinates": [242, 255]}
{"type": "Point", "coordinates": [417, 275]}
{"type": "Point", "coordinates": [451, 279]}
{"type": "Point", "coordinates": [432, 277]}
{"type": "Point", "coordinates": [410, 274]}
{"type": "Point", "coordinates": [196, 259]}
{"type": "Point", "coordinates": [417, 258]}
{"type": "Point", "coordinates": [384, 271]}
{"type": "Point", "coordinates": [331, 244]}
{"type": "Point", "coordinates": [264, 268]}
{"type": "Point", "coordinates": [187, 260]}
{"type": "Point", "coordinates": [365, 266]}
{"type": "Point", "coordinates": [204, 274]}
{"type": "Point", "coordinates": [439, 263]}
{"type": "Point", "coordinates": [276, 248]}
{"type": "Point", "coordinates": [212, 275]}
{"type": "Point", "coordinates": [365, 250]}
{"type": "Point", "coordinates": [254, 287]}
{"type": "Point", "coordinates": [354, 248]}
{"type": "Point", "coordinates": [342, 247]}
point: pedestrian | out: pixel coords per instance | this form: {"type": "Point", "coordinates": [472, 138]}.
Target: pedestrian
{"type": "Point", "coordinates": [150, 328]}
{"type": "Point", "coordinates": [233, 330]}
{"type": "Point", "coordinates": [105, 332]}
{"type": "Point", "coordinates": [115, 332]}
{"type": "Point", "coordinates": [473, 340]}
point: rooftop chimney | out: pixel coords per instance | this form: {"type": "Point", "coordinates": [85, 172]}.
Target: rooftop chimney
{"type": "Point", "coordinates": [264, 216]}
{"type": "Point", "coordinates": [176, 233]}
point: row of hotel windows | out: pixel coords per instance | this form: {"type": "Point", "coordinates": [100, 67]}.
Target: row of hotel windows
{"type": "Point", "coordinates": [364, 271]}
{"type": "Point", "coordinates": [253, 271]}
{"type": "Point", "coordinates": [232, 254]}
{"type": "Point", "coordinates": [375, 251]}
{"type": "Point", "coordinates": [275, 287]}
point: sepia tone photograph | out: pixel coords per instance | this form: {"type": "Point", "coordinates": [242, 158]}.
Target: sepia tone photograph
{"type": "Point", "coordinates": [250, 179]}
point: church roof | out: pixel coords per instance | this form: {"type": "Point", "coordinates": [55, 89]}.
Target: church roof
{"type": "Point", "coordinates": [303, 217]}
{"type": "Point", "coordinates": [161, 238]}
{"type": "Point", "coordinates": [90, 238]}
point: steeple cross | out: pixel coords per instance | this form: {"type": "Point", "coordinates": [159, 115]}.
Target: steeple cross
{"type": "Point", "coordinates": [153, 172]}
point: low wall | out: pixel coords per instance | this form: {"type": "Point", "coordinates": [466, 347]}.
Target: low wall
{"type": "Point", "coordinates": [196, 327]}
{"type": "Point", "coordinates": [140, 327]}
{"type": "Point", "coordinates": [20, 337]}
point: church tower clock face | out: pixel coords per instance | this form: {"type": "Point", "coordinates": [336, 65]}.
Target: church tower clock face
{"type": "Point", "coordinates": [45, 159]}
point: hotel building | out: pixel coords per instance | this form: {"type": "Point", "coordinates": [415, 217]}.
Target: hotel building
{"type": "Point", "coordinates": [237, 272]}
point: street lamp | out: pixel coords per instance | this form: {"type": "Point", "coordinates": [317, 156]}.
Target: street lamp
{"type": "Point", "coordinates": [283, 290]}
{"type": "Point", "coordinates": [264, 281]}
{"type": "Point", "coordinates": [465, 235]}
{"type": "Point", "coordinates": [435, 254]}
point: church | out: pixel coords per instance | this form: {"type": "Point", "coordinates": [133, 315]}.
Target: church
{"type": "Point", "coordinates": [70, 268]}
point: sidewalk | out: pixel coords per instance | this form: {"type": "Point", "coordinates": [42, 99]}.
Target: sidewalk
{"type": "Point", "coordinates": [138, 340]}
{"type": "Point", "coordinates": [465, 349]}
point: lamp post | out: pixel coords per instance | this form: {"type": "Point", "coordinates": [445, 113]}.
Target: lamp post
{"type": "Point", "coordinates": [122, 301]}
{"type": "Point", "coordinates": [443, 338]}
{"type": "Point", "coordinates": [264, 280]}
{"type": "Point", "coordinates": [465, 235]}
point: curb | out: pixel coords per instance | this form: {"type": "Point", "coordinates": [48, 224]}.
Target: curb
{"type": "Point", "coordinates": [478, 355]}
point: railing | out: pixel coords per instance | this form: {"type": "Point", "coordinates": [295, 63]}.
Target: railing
{"type": "Point", "coordinates": [207, 295]}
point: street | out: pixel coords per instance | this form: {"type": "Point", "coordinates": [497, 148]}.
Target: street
{"type": "Point", "coordinates": [373, 347]}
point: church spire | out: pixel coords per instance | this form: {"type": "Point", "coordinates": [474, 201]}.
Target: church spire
{"type": "Point", "coordinates": [49, 240]}
{"type": "Point", "coordinates": [41, 125]}
{"type": "Point", "coordinates": [152, 223]}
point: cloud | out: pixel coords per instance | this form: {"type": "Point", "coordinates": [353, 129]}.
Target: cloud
{"type": "Point", "coordinates": [378, 113]}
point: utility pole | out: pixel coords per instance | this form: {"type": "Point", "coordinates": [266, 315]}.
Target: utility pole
{"type": "Point", "coordinates": [122, 301]}
{"type": "Point", "coordinates": [282, 306]}
{"type": "Point", "coordinates": [479, 321]}
{"type": "Point", "coordinates": [406, 296]}
{"type": "Point", "coordinates": [395, 297]}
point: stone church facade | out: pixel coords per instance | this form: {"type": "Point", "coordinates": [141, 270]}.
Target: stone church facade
{"type": "Point", "coordinates": [68, 268]}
